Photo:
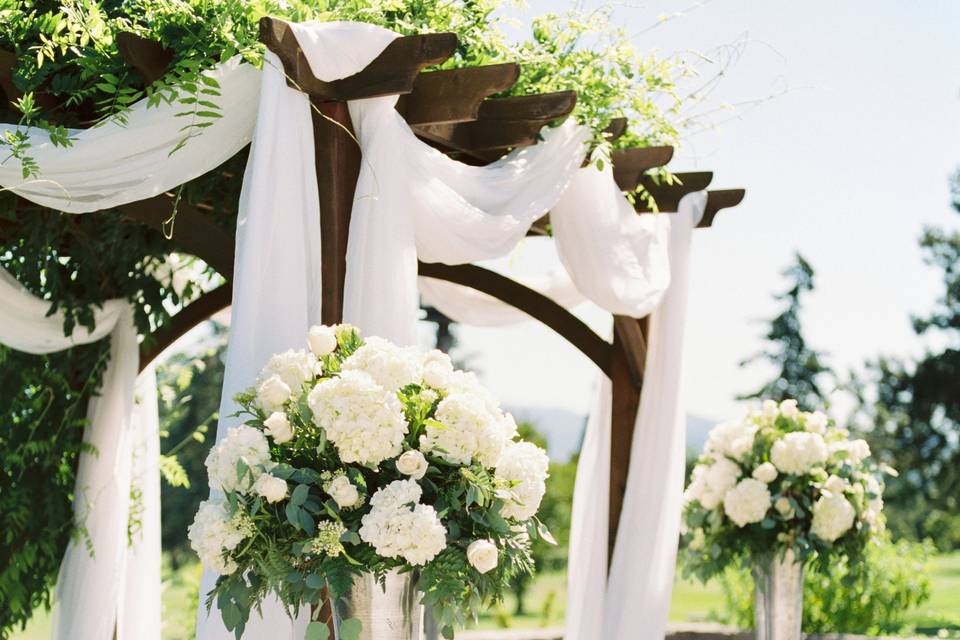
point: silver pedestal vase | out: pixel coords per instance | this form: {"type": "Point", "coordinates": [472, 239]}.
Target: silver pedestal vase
{"type": "Point", "coordinates": [779, 598]}
{"type": "Point", "coordinates": [389, 612]}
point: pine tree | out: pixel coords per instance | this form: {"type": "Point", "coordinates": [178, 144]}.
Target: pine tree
{"type": "Point", "coordinates": [801, 371]}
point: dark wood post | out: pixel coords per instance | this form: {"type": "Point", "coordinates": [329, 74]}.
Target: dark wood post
{"type": "Point", "coordinates": [337, 154]}
{"type": "Point", "coordinates": [626, 377]}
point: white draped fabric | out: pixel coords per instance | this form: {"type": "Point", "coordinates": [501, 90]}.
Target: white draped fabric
{"type": "Point", "coordinates": [644, 557]}
{"type": "Point", "coordinates": [116, 572]}
{"type": "Point", "coordinates": [114, 164]}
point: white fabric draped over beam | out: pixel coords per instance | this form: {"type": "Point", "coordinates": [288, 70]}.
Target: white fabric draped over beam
{"type": "Point", "coordinates": [118, 583]}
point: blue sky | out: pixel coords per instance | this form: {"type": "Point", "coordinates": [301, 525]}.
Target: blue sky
{"type": "Point", "coordinates": [846, 164]}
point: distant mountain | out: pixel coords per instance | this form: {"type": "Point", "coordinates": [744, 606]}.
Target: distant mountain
{"type": "Point", "coordinates": [564, 429]}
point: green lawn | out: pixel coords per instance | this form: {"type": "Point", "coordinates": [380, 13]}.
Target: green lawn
{"type": "Point", "coordinates": [692, 602]}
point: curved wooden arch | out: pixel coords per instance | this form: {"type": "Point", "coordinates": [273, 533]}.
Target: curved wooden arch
{"type": "Point", "coordinates": [533, 303]}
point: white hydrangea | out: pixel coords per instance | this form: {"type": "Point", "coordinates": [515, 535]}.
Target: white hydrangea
{"type": "Point", "coordinates": [241, 443]}
{"type": "Point", "coordinates": [398, 526]}
{"type": "Point", "coordinates": [364, 421]}
{"type": "Point", "coordinates": [798, 451]}
{"type": "Point", "coordinates": [523, 467]}
{"type": "Point", "coordinates": [467, 382]}
{"type": "Point", "coordinates": [747, 502]}
{"type": "Point", "coordinates": [390, 366]}
{"type": "Point", "coordinates": [836, 485]}
{"type": "Point", "coordinates": [832, 517]}
{"type": "Point", "coordinates": [733, 439]}
{"type": "Point", "coordinates": [468, 430]}
{"type": "Point", "coordinates": [293, 367]}
{"type": "Point", "coordinates": [717, 478]}
{"type": "Point", "coordinates": [214, 533]}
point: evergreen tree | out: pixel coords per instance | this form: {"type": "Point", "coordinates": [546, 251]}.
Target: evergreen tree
{"type": "Point", "coordinates": [911, 410]}
{"type": "Point", "coordinates": [801, 371]}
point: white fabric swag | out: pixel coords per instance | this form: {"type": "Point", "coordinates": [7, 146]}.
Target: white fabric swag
{"type": "Point", "coordinates": [119, 583]}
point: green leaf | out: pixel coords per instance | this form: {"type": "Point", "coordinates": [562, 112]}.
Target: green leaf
{"type": "Point", "coordinates": [350, 629]}
{"type": "Point", "coordinates": [299, 495]}
{"type": "Point", "coordinates": [317, 631]}
{"type": "Point", "coordinates": [314, 581]}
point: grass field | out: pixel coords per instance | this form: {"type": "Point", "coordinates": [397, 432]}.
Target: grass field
{"type": "Point", "coordinates": [692, 602]}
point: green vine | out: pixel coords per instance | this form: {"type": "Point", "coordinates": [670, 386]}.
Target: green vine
{"type": "Point", "coordinates": [69, 75]}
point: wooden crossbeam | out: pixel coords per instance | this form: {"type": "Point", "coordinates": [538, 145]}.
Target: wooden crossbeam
{"type": "Point", "coordinates": [454, 95]}
{"type": "Point", "coordinates": [668, 196]}
{"type": "Point", "coordinates": [629, 165]}
{"type": "Point", "coordinates": [616, 129]}
{"type": "Point", "coordinates": [503, 123]}
{"type": "Point", "coordinates": [717, 200]}
{"type": "Point", "coordinates": [390, 73]}
{"type": "Point", "coordinates": [184, 320]}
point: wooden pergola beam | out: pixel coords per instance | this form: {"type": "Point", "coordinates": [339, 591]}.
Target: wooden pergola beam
{"type": "Point", "coordinates": [392, 72]}
{"type": "Point", "coordinates": [454, 95]}
{"type": "Point", "coordinates": [186, 319]}
{"type": "Point", "coordinates": [717, 200]}
{"type": "Point", "coordinates": [668, 196]}
{"type": "Point", "coordinates": [629, 165]}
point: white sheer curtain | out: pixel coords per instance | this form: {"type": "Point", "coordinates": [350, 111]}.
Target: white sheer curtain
{"type": "Point", "coordinates": [641, 573]}
{"type": "Point", "coordinates": [92, 589]}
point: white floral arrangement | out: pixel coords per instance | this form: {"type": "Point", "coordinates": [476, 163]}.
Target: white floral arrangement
{"type": "Point", "coordinates": [777, 480]}
{"type": "Point", "coordinates": [361, 456]}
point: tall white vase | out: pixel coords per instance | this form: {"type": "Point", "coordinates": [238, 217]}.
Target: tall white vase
{"type": "Point", "coordinates": [779, 598]}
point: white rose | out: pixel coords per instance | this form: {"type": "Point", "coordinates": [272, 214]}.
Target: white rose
{"type": "Point", "coordinates": [835, 485]}
{"type": "Point", "coordinates": [770, 409]}
{"type": "Point", "coordinates": [832, 517]}
{"type": "Point", "coordinates": [483, 555]}
{"type": "Point", "coordinates": [782, 505]}
{"type": "Point", "coordinates": [272, 393]}
{"type": "Point", "coordinates": [437, 369]}
{"type": "Point", "coordinates": [816, 422]}
{"type": "Point", "coordinates": [747, 502]}
{"type": "Point", "coordinates": [279, 428]}
{"type": "Point", "coordinates": [719, 477]}
{"type": "Point", "coordinates": [698, 540]}
{"type": "Point", "coordinates": [766, 472]}
{"type": "Point", "coordinates": [413, 464]}
{"type": "Point", "coordinates": [273, 489]}
{"type": "Point", "coordinates": [788, 409]}
{"type": "Point", "coordinates": [322, 340]}
{"type": "Point", "coordinates": [343, 492]}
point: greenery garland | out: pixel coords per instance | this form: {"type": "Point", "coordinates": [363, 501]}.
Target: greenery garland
{"type": "Point", "coordinates": [69, 75]}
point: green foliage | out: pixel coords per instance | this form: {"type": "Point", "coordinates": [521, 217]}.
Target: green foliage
{"type": "Point", "coordinates": [910, 410]}
{"type": "Point", "coordinates": [801, 370]}
{"type": "Point", "coordinates": [189, 386]}
{"type": "Point", "coordinates": [871, 596]}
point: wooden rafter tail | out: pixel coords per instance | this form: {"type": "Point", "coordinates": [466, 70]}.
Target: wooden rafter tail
{"type": "Point", "coordinates": [717, 200]}
{"type": "Point", "coordinates": [629, 165]}
{"type": "Point", "coordinates": [533, 303]}
{"type": "Point", "coordinates": [8, 65]}
{"type": "Point", "coordinates": [193, 231]}
{"type": "Point", "coordinates": [150, 58]}
{"type": "Point", "coordinates": [504, 123]}
{"type": "Point", "coordinates": [616, 129]}
{"type": "Point", "coordinates": [393, 72]}
{"type": "Point", "coordinates": [668, 196]}
{"type": "Point", "coordinates": [190, 316]}
{"type": "Point", "coordinates": [454, 95]}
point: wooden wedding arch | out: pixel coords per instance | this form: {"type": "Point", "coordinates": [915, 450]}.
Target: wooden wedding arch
{"type": "Point", "coordinates": [453, 111]}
